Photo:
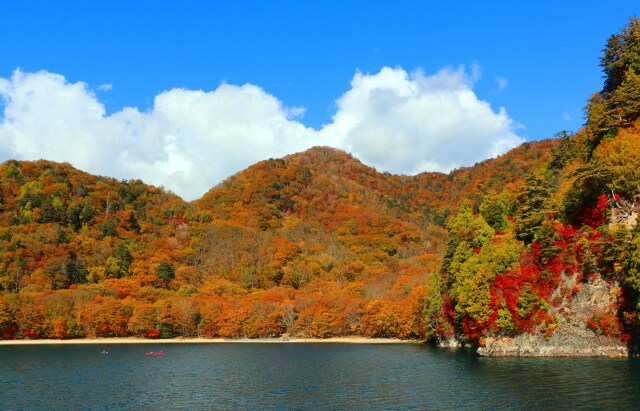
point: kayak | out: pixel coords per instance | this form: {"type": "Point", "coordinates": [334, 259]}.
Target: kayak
{"type": "Point", "coordinates": [154, 353]}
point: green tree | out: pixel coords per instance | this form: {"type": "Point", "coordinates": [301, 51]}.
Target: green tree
{"type": "Point", "coordinates": [566, 149]}
{"type": "Point", "coordinates": [433, 305]}
{"type": "Point", "coordinates": [631, 280]}
{"type": "Point", "coordinates": [618, 103]}
{"type": "Point", "coordinates": [165, 271]}
{"type": "Point", "coordinates": [621, 55]}
{"type": "Point", "coordinates": [121, 260]}
{"type": "Point", "coordinates": [466, 275]}
{"type": "Point", "coordinates": [495, 210]}
{"type": "Point", "coordinates": [466, 232]}
{"type": "Point", "coordinates": [534, 206]}
{"type": "Point", "coordinates": [474, 277]}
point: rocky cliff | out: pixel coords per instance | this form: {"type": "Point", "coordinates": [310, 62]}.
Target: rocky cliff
{"type": "Point", "coordinates": [577, 333]}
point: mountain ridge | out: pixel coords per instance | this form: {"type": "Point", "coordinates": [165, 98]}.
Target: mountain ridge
{"type": "Point", "coordinates": [288, 229]}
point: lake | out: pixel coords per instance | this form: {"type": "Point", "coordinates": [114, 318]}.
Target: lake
{"type": "Point", "coordinates": [305, 376]}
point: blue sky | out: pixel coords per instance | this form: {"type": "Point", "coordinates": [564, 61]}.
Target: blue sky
{"type": "Point", "coordinates": [313, 71]}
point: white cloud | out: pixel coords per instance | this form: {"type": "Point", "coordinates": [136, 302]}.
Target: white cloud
{"type": "Point", "coordinates": [105, 87]}
{"type": "Point", "coordinates": [191, 140]}
{"type": "Point", "coordinates": [409, 123]}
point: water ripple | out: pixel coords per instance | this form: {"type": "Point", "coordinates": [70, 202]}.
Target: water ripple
{"type": "Point", "coordinates": [305, 376]}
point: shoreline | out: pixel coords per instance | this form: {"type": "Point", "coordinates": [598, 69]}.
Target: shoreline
{"type": "Point", "coordinates": [201, 340]}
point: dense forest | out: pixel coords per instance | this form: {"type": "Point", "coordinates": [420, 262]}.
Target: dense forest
{"type": "Point", "coordinates": [317, 244]}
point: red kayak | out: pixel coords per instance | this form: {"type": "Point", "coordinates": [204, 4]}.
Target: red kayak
{"type": "Point", "coordinates": [154, 353]}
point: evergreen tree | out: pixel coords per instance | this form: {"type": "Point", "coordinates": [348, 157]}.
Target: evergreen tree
{"type": "Point", "coordinates": [123, 259]}
{"type": "Point", "coordinates": [618, 103]}
{"type": "Point", "coordinates": [165, 271]}
{"type": "Point", "coordinates": [565, 150]}
{"type": "Point", "coordinates": [534, 206]}
{"type": "Point", "coordinates": [495, 210]}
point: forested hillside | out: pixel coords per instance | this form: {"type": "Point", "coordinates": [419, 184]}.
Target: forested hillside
{"type": "Point", "coordinates": [315, 244]}
{"type": "Point", "coordinates": [562, 251]}
{"type": "Point", "coordinates": [318, 244]}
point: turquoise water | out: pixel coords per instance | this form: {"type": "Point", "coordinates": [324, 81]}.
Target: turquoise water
{"type": "Point", "coordinates": [305, 376]}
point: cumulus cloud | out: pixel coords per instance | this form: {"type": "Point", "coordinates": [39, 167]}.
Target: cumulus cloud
{"type": "Point", "coordinates": [409, 123]}
{"type": "Point", "coordinates": [190, 140]}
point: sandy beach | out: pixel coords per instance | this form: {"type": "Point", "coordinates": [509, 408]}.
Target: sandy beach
{"type": "Point", "coordinates": [197, 340]}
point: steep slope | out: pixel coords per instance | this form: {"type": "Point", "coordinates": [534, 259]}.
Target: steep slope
{"type": "Point", "coordinates": [560, 275]}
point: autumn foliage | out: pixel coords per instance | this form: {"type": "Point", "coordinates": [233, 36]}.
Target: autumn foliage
{"type": "Point", "coordinates": [317, 244]}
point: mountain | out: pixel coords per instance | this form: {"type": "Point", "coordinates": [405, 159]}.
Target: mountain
{"type": "Point", "coordinates": [312, 244]}
{"type": "Point", "coordinates": [535, 252]}
{"type": "Point", "coordinates": [318, 238]}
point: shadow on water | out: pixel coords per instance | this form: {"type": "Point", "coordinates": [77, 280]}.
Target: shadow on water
{"type": "Point", "coordinates": [306, 376]}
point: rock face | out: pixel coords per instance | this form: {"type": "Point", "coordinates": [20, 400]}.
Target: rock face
{"type": "Point", "coordinates": [573, 337]}
{"type": "Point", "coordinates": [566, 342]}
